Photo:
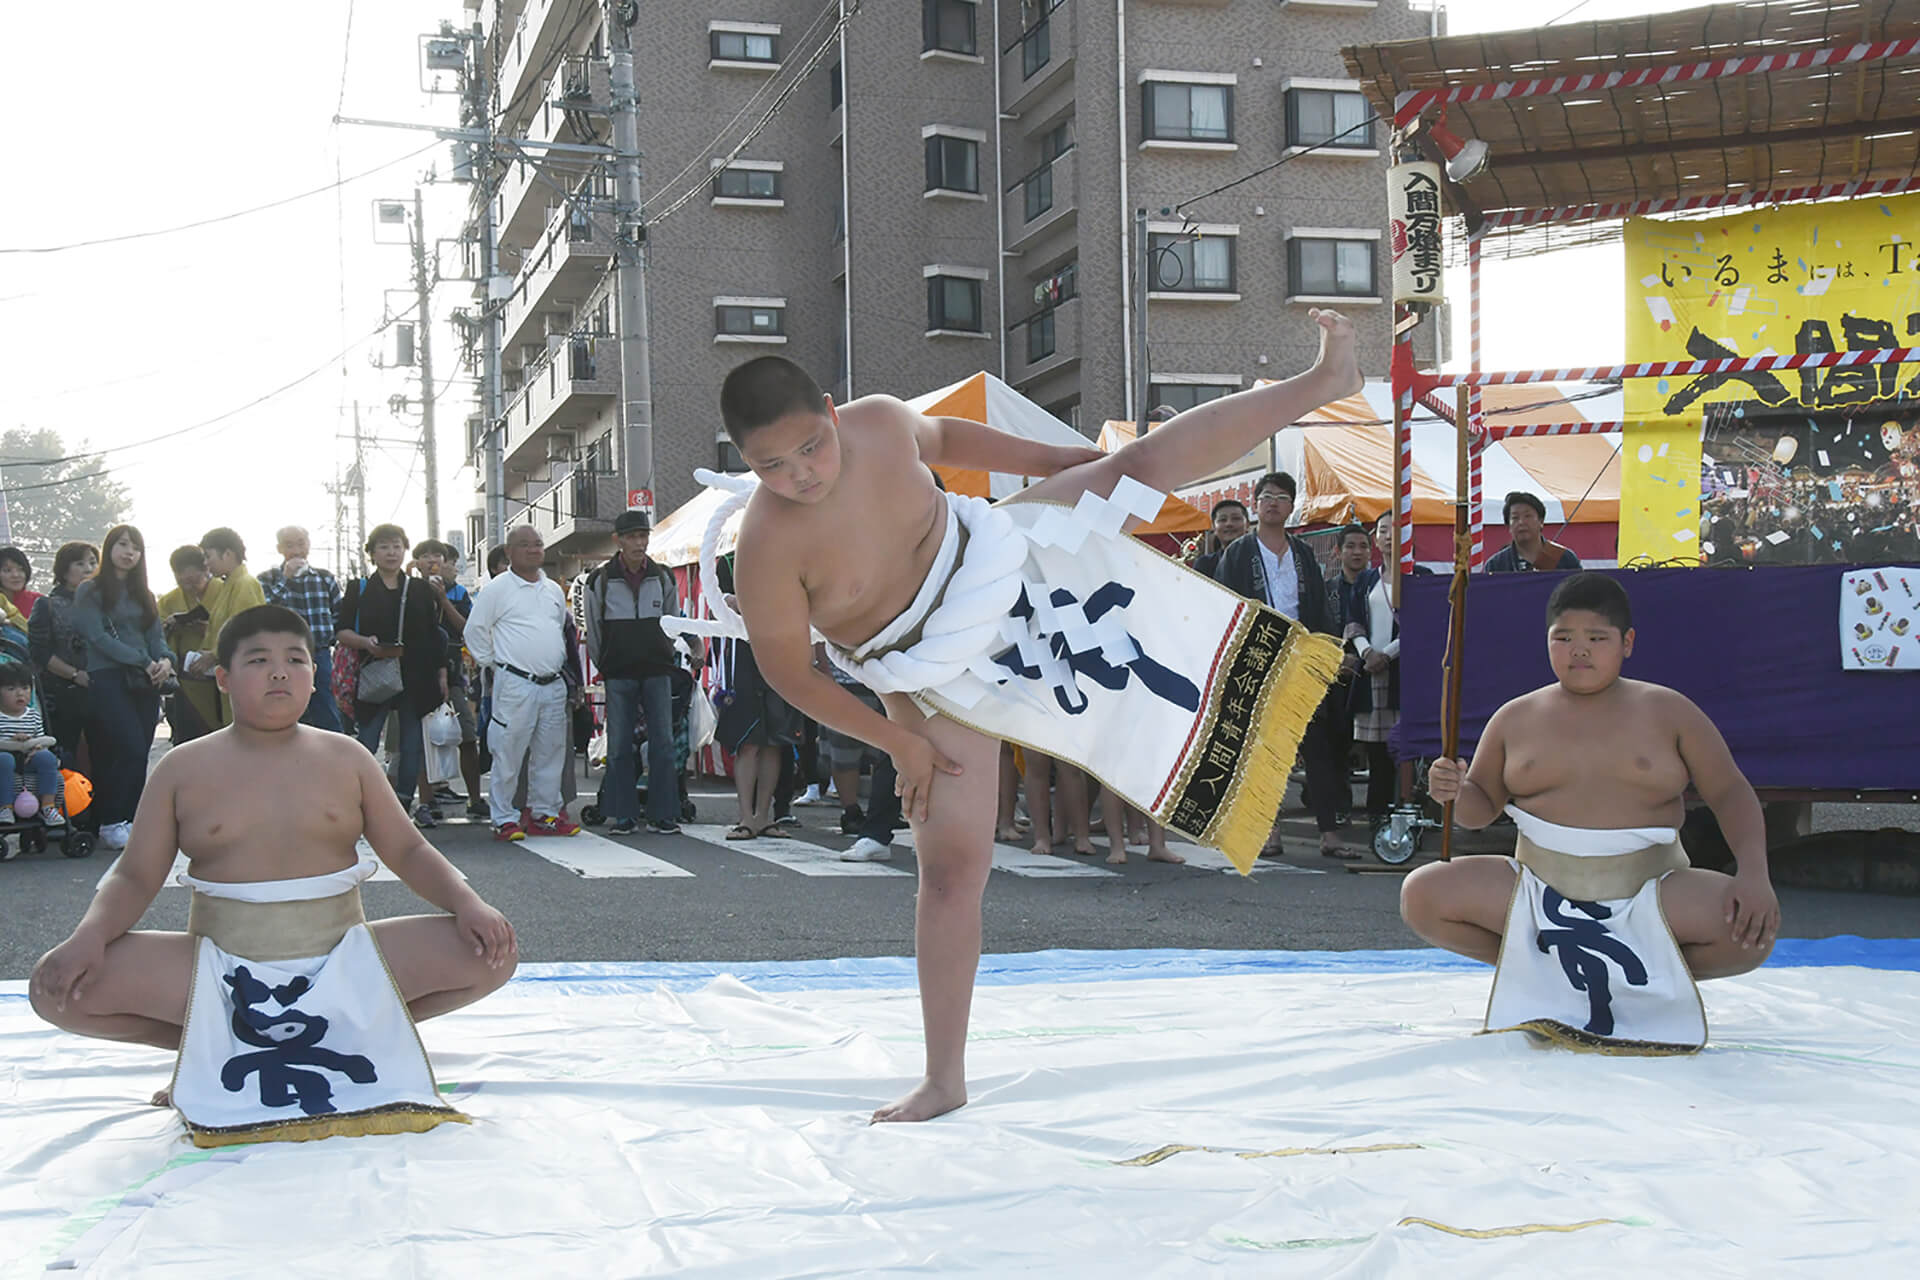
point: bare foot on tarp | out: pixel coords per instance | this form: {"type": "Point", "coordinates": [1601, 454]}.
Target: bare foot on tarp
{"type": "Point", "coordinates": [1084, 848]}
{"type": "Point", "coordinates": [1007, 835]}
{"type": "Point", "coordinates": [1339, 361]}
{"type": "Point", "coordinates": [1164, 855]}
{"type": "Point", "coordinates": [924, 1103]}
{"type": "Point", "coordinates": [160, 1098]}
{"type": "Point", "coordinates": [1118, 856]}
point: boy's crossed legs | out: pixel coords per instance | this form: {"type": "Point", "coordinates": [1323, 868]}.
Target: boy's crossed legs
{"type": "Point", "coordinates": [1462, 906]}
{"type": "Point", "coordinates": [139, 994]}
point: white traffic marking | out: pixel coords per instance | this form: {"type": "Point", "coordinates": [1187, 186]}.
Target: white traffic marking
{"type": "Point", "coordinates": [789, 852]}
{"type": "Point", "coordinates": [1205, 859]}
{"type": "Point", "coordinates": [594, 857]}
{"type": "Point", "coordinates": [1025, 862]}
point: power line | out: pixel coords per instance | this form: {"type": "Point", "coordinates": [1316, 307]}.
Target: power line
{"type": "Point", "coordinates": [346, 47]}
{"type": "Point", "coordinates": [225, 217]}
{"type": "Point", "coordinates": [284, 387]}
{"type": "Point", "coordinates": [759, 127]}
{"type": "Point", "coordinates": [727, 129]}
{"type": "Point", "coordinates": [1268, 168]}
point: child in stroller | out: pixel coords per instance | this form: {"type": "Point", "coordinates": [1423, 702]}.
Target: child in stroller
{"type": "Point", "coordinates": [594, 814]}
{"type": "Point", "coordinates": [34, 805]}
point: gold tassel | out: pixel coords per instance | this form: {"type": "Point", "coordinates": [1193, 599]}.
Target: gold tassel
{"type": "Point", "coordinates": [403, 1117]}
{"type": "Point", "coordinates": [1295, 687]}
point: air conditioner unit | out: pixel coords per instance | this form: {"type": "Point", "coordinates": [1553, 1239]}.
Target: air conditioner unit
{"type": "Point", "coordinates": [562, 446]}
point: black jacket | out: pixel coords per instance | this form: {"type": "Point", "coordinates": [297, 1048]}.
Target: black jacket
{"type": "Point", "coordinates": [1240, 570]}
{"type": "Point", "coordinates": [624, 636]}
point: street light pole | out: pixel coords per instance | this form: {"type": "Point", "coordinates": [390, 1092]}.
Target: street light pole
{"type": "Point", "coordinates": [1142, 378]}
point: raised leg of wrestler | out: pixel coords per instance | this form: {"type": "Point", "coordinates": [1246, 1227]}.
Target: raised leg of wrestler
{"type": "Point", "coordinates": [1695, 904]}
{"type": "Point", "coordinates": [434, 967]}
{"type": "Point", "coordinates": [137, 996]}
{"type": "Point", "coordinates": [1461, 905]}
{"type": "Point", "coordinates": [1213, 435]}
{"type": "Point", "coordinates": [954, 847]}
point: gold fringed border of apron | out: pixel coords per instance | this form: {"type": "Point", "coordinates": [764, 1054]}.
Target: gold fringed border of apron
{"type": "Point", "coordinates": [1274, 674]}
{"type": "Point", "coordinates": [1581, 1041]}
{"type": "Point", "coordinates": [396, 1117]}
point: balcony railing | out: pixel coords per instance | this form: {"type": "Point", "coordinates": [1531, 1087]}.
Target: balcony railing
{"type": "Point", "coordinates": [1035, 59]}
{"type": "Point", "coordinates": [1047, 339]}
{"type": "Point", "coordinates": [577, 506]}
{"type": "Point", "coordinates": [578, 375]}
{"type": "Point", "coordinates": [572, 256]}
{"type": "Point", "coordinates": [1044, 198]}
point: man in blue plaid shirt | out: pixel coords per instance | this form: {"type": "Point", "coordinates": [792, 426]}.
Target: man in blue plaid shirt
{"type": "Point", "coordinates": [313, 594]}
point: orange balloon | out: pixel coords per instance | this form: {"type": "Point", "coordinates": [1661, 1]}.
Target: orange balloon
{"type": "Point", "coordinates": [79, 791]}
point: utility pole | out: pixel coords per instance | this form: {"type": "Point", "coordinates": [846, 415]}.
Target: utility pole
{"type": "Point", "coordinates": [493, 429]}
{"type": "Point", "coordinates": [636, 372]}
{"type": "Point", "coordinates": [360, 478]}
{"type": "Point", "coordinates": [423, 295]}
{"type": "Point", "coordinates": [1142, 378]}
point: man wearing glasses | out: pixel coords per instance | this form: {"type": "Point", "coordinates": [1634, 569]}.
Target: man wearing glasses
{"type": "Point", "coordinates": [1278, 569]}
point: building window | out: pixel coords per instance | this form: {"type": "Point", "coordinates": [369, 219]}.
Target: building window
{"type": "Point", "coordinates": [1040, 338]}
{"type": "Point", "coordinates": [750, 320]}
{"type": "Point", "coordinates": [747, 184]}
{"type": "Point", "coordinates": [744, 46]}
{"type": "Point", "coordinates": [1057, 141]}
{"type": "Point", "coordinates": [953, 164]}
{"type": "Point", "coordinates": [1182, 396]}
{"type": "Point", "coordinates": [1038, 192]}
{"type": "Point", "coordinates": [1036, 48]}
{"type": "Point", "coordinates": [953, 303]}
{"type": "Point", "coordinates": [1331, 268]}
{"type": "Point", "coordinates": [729, 459]}
{"type": "Point", "coordinates": [948, 26]}
{"type": "Point", "coordinates": [835, 91]}
{"type": "Point", "coordinates": [1337, 118]}
{"type": "Point", "coordinates": [1174, 112]}
{"type": "Point", "coordinates": [1183, 264]}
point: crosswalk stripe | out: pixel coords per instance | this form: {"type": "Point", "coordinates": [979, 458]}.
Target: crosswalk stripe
{"type": "Point", "coordinates": [1025, 862]}
{"type": "Point", "coordinates": [793, 854]}
{"type": "Point", "coordinates": [1205, 859]}
{"type": "Point", "coordinates": [594, 857]}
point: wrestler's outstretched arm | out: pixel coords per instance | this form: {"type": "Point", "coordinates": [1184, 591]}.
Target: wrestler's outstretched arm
{"type": "Point", "coordinates": [424, 869]}
{"type": "Point", "coordinates": [974, 446]}
{"type": "Point", "coordinates": [773, 603]}
{"type": "Point", "coordinates": [1478, 789]}
{"type": "Point", "coordinates": [125, 893]}
{"type": "Point", "coordinates": [1752, 909]}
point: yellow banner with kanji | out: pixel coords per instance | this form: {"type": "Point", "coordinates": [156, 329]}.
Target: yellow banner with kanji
{"type": "Point", "coordinates": [1808, 278]}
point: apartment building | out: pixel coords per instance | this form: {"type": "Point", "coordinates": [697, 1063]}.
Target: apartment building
{"type": "Point", "coordinates": [932, 188]}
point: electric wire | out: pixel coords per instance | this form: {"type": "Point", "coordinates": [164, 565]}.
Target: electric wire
{"type": "Point", "coordinates": [224, 217]}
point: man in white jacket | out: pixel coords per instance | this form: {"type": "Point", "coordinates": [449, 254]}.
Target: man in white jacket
{"type": "Point", "coordinates": [518, 629]}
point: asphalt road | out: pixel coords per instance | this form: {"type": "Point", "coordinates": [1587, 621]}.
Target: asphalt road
{"type": "Point", "coordinates": [680, 898]}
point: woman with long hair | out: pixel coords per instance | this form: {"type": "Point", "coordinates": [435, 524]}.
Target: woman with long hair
{"type": "Point", "coordinates": [127, 664]}
{"type": "Point", "coordinates": [58, 653]}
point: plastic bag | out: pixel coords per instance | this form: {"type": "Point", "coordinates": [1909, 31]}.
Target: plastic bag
{"type": "Point", "coordinates": [443, 762]}
{"type": "Point", "coordinates": [440, 727]}
{"type": "Point", "coordinates": [702, 720]}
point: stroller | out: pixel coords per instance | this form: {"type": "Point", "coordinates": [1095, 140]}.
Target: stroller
{"type": "Point", "coordinates": [35, 835]}
{"type": "Point", "coordinates": [596, 813]}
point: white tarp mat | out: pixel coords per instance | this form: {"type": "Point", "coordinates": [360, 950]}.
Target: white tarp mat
{"type": "Point", "coordinates": [1137, 1114]}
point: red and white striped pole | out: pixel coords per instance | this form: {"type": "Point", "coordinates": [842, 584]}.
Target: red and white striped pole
{"type": "Point", "coordinates": [1682, 368]}
{"type": "Point", "coordinates": [1498, 432]}
{"type": "Point", "coordinates": [1402, 381]}
{"type": "Point", "coordinates": [1412, 102]}
{"type": "Point", "coordinates": [1476, 419]}
{"type": "Point", "coordinates": [1506, 219]}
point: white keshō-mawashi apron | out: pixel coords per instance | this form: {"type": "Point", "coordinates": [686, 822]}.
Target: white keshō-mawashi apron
{"type": "Point", "coordinates": [1587, 958]}
{"type": "Point", "coordinates": [295, 1028]}
{"type": "Point", "coordinates": [1046, 626]}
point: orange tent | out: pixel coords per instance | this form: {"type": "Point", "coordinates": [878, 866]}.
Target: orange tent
{"type": "Point", "coordinates": [985, 398]}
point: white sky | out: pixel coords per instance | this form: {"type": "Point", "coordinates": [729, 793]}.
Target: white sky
{"type": "Point", "coordinates": [148, 116]}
